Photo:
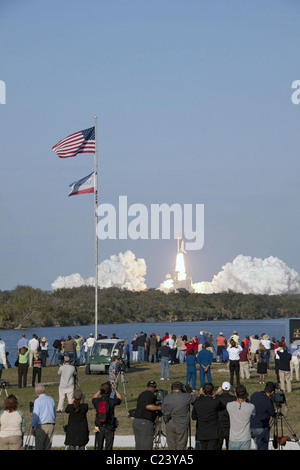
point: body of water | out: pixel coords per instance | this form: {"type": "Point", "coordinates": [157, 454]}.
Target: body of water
{"type": "Point", "coordinates": [274, 328]}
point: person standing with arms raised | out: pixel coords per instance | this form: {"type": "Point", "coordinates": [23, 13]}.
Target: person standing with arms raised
{"type": "Point", "coordinates": [234, 351]}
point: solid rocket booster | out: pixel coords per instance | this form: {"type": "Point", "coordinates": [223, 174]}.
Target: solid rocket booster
{"type": "Point", "coordinates": [180, 248]}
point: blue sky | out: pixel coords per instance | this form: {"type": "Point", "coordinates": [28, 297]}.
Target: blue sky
{"type": "Point", "coordinates": [194, 106]}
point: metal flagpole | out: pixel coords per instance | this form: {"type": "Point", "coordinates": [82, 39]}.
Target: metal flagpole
{"type": "Point", "coordinates": [96, 230]}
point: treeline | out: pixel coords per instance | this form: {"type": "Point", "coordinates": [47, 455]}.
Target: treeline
{"type": "Point", "coordinates": [28, 307]}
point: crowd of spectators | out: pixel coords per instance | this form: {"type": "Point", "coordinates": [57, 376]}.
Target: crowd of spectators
{"type": "Point", "coordinates": [226, 416]}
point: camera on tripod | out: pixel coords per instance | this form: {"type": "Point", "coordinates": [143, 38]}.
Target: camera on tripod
{"type": "Point", "coordinates": [160, 395]}
{"type": "Point", "coordinates": [278, 398]}
{"type": "Point", "coordinates": [4, 383]}
{"type": "Point", "coordinates": [122, 366]}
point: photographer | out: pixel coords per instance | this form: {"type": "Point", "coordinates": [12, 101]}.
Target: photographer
{"type": "Point", "coordinates": [67, 374]}
{"type": "Point", "coordinates": [105, 415]}
{"type": "Point", "coordinates": [206, 411]}
{"type": "Point", "coordinates": [113, 372]}
{"type": "Point", "coordinates": [144, 418]}
{"type": "Point", "coordinates": [176, 411]}
{"type": "Point", "coordinates": [264, 409]}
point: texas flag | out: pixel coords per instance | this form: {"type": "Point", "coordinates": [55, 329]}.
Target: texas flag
{"type": "Point", "coordinates": [83, 186]}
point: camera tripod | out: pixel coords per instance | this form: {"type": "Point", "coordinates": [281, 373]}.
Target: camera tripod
{"type": "Point", "coordinates": [124, 381]}
{"type": "Point", "coordinates": [3, 386]}
{"type": "Point", "coordinates": [277, 423]}
{"type": "Point", "coordinates": [159, 439]}
{"type": "Point", "coordinates": [29, 442]}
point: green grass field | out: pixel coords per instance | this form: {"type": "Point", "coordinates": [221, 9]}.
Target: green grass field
{"type": "Point", "coordinates": [135, 380]}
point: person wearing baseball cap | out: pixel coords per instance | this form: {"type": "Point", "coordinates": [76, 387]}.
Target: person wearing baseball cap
{"type": "Point", "coordinates": [144, 418]}
{"type": "Point", "coordinates": [225, 397]}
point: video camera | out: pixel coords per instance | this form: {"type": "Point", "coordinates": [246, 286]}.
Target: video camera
{"type": "Point", "coordinates": [160, 395]}
{"type": "Point", "coordinates": [4, 383]}
{"type": "Point", "coordinates": [121, 366]}
{"type": "Point", "coordinates": [278, 397]}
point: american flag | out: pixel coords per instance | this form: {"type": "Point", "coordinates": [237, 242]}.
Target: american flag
{"type": "Point", "coordinates": [80, 142]}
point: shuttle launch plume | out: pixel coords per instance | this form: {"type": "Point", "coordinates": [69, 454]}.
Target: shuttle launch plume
{"type": "Point", "coordinates": [124, 271]}
{"type": "Point", "coordinates": [244, 274]}
{"type": "Point", "coordinates": [253, 276]}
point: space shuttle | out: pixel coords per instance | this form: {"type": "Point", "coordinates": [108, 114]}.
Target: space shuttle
{"type": "Point", "coordinates": [180, 247]}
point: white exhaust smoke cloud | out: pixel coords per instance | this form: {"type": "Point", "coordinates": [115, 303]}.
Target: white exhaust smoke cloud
{"type": "Point", "coordinates": [123, 271]}
{"type": "Point", "coordinates": [248, 275]}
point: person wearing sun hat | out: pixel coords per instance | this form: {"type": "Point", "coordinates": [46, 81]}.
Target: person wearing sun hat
{"type": "Point", "coordinates": [44, 351]}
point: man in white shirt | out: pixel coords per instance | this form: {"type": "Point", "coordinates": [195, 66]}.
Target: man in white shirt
{"type": "Point", "coordinates": [3, 360]}
{"type": "Point", "coordinates": [234, 351]}
{"type": "Point", "coordinates": [255, 344]}
{"type": "Point", "coordinates": [265, 340]}
{"type": "Point", "coordinates": [295, 352]}
{"type": "Point", "coordinates": [171, 344]}
{"type": "Point", "coordinates": [33, 344]}
{"type": "Point", "coordinates": [89, 344]}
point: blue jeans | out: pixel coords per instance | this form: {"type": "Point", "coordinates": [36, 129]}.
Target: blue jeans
{"type": "Point", "coordinates": [141, 353]}
{"type": "Point", "coordinates": [202, 376]}
{"type": "Point", "coordinates": [191, 376]}
{"type": "Point", "coordinates": [165, 366]}
{"type": "Point", "coordinates": [181, 356]}
{"type": "Point", "coordinates": [244, 445]}
{"type": "Point", "coordinates": [150, 357]}
{"type": "Point", "coordinates": [261, 438]}
{"type": "Point", "coordinates": [78, 356]}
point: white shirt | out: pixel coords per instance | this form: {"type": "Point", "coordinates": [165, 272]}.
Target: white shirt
{"type": "Point", "coordinates": [33, 344]}
{"type": "Point", "coordinates": [170, 342]}
{"type": "Point", "coordinates": [11, 423]}
{"type": "Point", "coordinates": [266, 343]}
{"type": "Point", "coordinates": [234, 353]}
{"type": "Point", "coordinates": [90, 341]}
{"type": "Point", "coordinates": [2, 347]}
